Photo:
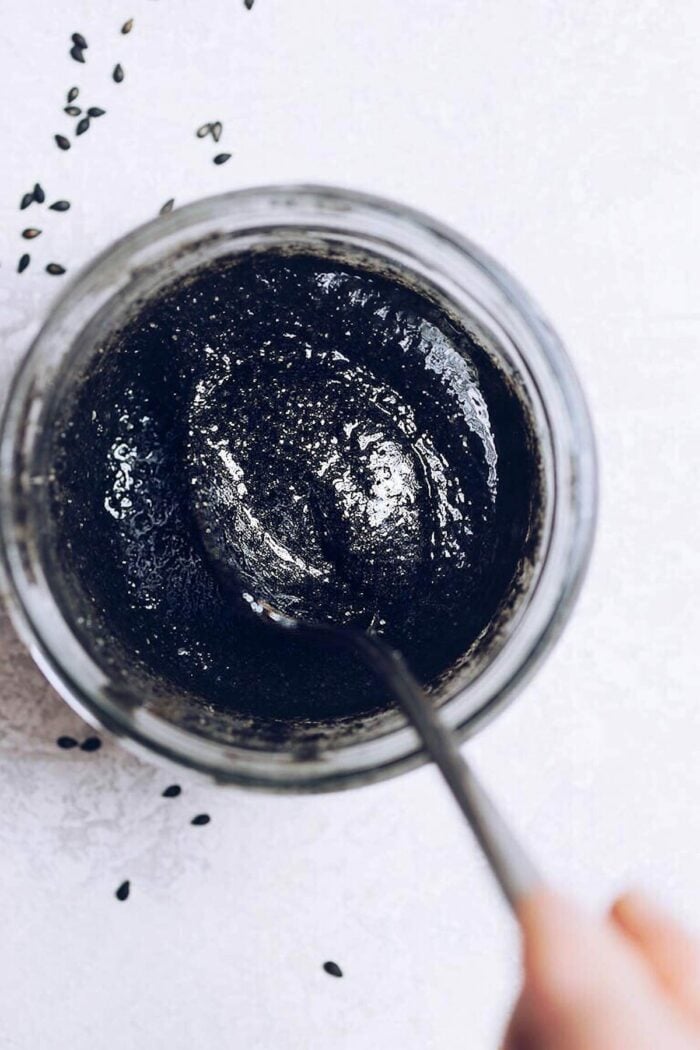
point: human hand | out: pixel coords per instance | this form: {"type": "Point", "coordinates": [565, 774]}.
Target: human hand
{"type": "Point", "coordinates": [627, 982]}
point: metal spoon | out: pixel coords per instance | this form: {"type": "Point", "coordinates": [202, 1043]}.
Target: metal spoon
{"type": "Point", "coordinates": [510, 864]}
{"type": "Point", "coordinates": [278, 586]}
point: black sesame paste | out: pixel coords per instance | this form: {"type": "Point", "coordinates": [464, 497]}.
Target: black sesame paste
{"type": "Point", "coordinates": [362, 455]}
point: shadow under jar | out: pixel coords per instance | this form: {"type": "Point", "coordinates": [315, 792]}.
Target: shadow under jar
{"type": "Point", "coordinates": [313, 364]}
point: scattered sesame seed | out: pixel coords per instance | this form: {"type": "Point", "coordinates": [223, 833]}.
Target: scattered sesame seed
{"type": "Point", "coordinates": [123, 891]}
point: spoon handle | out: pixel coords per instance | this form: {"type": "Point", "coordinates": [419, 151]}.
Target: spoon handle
{"type": "Point", "coordinates": [512, 867]}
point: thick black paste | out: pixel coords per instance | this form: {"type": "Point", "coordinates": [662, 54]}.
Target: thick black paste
{"type": "Point", "coordinates": [363, 458]}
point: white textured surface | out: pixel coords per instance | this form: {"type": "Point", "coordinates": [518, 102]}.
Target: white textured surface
{"type": "Point", "coordinates": [564, 138]}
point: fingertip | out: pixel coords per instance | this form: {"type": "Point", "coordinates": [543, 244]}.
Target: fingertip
{"type": "Point", "coordinates": [624, 907]}
{"type": "Point", "coordinates": [667, 948]}
{"type": "Point", "coordinates": [644, 920]}
{"type": "Point", "coordinates": [635, 909]}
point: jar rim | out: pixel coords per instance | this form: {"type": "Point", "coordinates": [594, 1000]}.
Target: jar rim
{"type": "Point", "coordinates": [455, 260]}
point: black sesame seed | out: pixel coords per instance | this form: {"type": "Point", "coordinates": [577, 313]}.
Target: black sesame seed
{"type": "Point", "coordinates": [221, 158]}
{"type": "Point", "coordinates": [30, 233]}
{"type": "Point", "coordinates": [93, 743]}
{"type": "Point", "coordinates": [21, 267]}
{"type": "Point", "coordinates": [79, 40]}
{"type": "Point", "coordinates": [168, 206]}
{"type": "Point", "coordinates": [203, 130]}
{"type": "Point", "coordinates": [201, 818]}
{"type": "Point", "coordinates": [216, 130]}
{"type": "Point", "coordinates": [38, 194]}
{"type": "Point", "coordinates": [128, 26]}
{"type": "Point", "coordinates": [72, 111]}
{"type": "Point", "coordinates": [72, 94]}
{"type": "Point", "coordinates": [65, 742]}
{"type": "Point", "coordinates": [173, 791]}
{"type": "Point", "coordinates": [77, 53]}
{"type": "Point", "coordinates": [82, 126]}
{"type": "Point", "coordinates": [95, 111]}
{"type": "Point", "coordinates": [55, 270]}
{"type": "Point", "coordinates": [333, 969]}
{"type": "Point", "coordinates": [117, 74]}
{"type": "Point", "coordinates": [123, 891]}
{"type": "Point", "coordinates": [59, 206]}
{"type": "Point", "coordinates": [249, 4]}
{"type": "Point", "coordinates": [27, 199]}
{"type": "Point", "coordinates": [62, 142]}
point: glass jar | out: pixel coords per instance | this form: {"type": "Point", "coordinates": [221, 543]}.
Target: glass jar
{"type": "Point", "coordinates": [479, 294]}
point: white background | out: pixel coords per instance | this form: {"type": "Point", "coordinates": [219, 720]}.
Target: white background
{"type": "Point", "coordinates": [565, 138]}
